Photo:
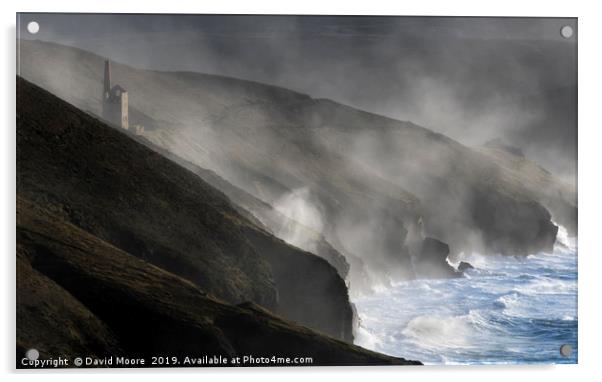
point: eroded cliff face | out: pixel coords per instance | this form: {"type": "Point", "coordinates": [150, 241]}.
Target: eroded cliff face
{"type": "Point", "coordinates": [559, 198]}
{"type": "Point", "coordinates": [104, 182]}
{"type": "Point", "coordinates": [513, 226]}
{"type": "Point", "coordinates": [472, 201]}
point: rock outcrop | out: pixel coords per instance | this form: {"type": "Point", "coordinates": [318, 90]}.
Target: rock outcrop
{"type": "Point", "coordinates": [432, 261]}
{"type": "Point", "coordinates": [463, 266]}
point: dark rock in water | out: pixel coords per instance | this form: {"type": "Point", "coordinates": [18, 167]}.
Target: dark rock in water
{"type": "Point", "coordinates": [432, 262]}
{"type": "Point", "coordinates": [464, 266]}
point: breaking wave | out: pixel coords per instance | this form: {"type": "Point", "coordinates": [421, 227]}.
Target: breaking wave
{"type": "Point", "coordinates": [438, 332]}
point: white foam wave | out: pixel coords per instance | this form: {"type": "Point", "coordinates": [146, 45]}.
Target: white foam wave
{"type": "Point", "coordinates": [544, 285]}
{"type": "Point", "coordinates": [511, 304]}
{"type": "Point", "coordinates": [536, 303]}
{"type": "Point", "coordinates": [439, 331]}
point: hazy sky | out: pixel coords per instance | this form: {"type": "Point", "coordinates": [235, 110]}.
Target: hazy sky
{"type": "Point", "coordinates": [473, 79]}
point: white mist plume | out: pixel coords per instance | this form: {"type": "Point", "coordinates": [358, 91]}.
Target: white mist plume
{"type": "Point", "coordinates": [299, 208]}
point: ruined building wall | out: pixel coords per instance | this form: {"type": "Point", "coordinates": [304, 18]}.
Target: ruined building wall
{"type": "Point", "coordinates": [124, 110]}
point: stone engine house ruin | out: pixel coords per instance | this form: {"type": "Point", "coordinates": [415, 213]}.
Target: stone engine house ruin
{"type": "Point", "coordinates": [114, 101]}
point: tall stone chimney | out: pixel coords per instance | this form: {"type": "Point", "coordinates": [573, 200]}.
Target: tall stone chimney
{"type": "Point", "coordinates": [114, 101]}
{"type": "Point", "coordinates": [107, 87]}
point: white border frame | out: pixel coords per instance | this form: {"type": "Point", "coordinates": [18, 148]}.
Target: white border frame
{"type": "Point", "coordinates": [590, 138]}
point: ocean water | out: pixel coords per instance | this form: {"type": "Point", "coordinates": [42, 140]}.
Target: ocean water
{"type": "Point", "coordinates": [507, 310]}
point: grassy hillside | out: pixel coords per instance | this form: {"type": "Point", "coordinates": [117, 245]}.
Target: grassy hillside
{"type": "Point", "coordinates": [102, 181]}
{"type": "Point", "coordinates": [79, 295]}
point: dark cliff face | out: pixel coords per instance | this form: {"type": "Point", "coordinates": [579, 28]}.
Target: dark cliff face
{"type": "Point", "coordinates": [78, 294]}
{"type": "Point", "coordinates": [116, 189]}
{"type": "Point", "coordinates": [299, 279]}
{"type": "Point", "coordinates": [513, 225]}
